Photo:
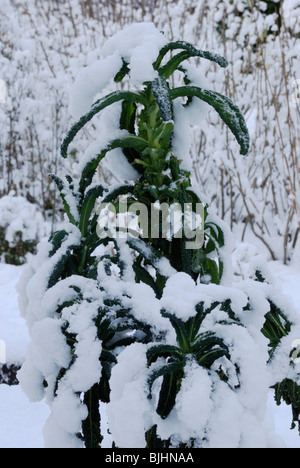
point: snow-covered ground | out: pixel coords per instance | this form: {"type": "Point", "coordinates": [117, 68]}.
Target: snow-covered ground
{"type": "Point", "coordinates": [21, 422]}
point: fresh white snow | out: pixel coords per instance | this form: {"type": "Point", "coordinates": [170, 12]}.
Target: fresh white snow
{"type": "Point", "coordinates": [22, 422]}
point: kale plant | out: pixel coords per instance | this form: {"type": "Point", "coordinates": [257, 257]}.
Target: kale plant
{"type": "Point", "coordinates": [141, 318]}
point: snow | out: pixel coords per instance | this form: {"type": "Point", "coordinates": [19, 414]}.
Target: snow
{"type": "Point", "coordinates": [195, 114]}
{"type": "Point", "coordinates": [119, 166]}
{"type": "Point", "coordinates": [45, 59]}
{"type": "Point", "coordinates": [22, 423]}
{"type": "Point", "coordinates": [18, 215]}
{"type": "Point", "coordinates": [128, 383]}
{"type": "Point", "coordinates": [196, 387]}
{"type": "Point", "coordinates": [48, 352]}
{"type": "Point", "coordinates": [37, 274]}
{"type": "Point", "coordinates": [91, 81]}
{"type": "Point", "coordinates": [139, 54]}
{"type": "Point", "coordinates": [123, 45]}
{"type": "Point", "coordinates": [13, 330]}
{"type": "Point", "coordinates": [86, 370]}
{"type": "Point", "coordinates": [180, 296]}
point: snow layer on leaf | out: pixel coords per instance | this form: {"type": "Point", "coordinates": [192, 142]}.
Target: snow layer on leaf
{"type": "Point", "coordinates": [198, 109]}
{"type": "Point", "coordinates": [120, 167]}
{"type": "Point", "coordinates": [129, 410]}
{"type": "Point", "coordinates": [91, 81]}
{"type": "Point", "coordinates": [31, 379]}
{"type": "Point", "coordinates": [56, 437]}
{"type": "Point", "coordinates": [221, 433]}
{"type": "Point", "coordinates": [97, 147]}
{"type": "Point", "coordinates": [251, 359]}
{"type": "Point", "coordinates": [141, 53]}
{"type": "Point", "coordinates": [249, 430]}
{"type": "Point", "coordinates": [280, 367]}
{"type": "Point", "coordinates": [86, 370]}
{"type": "Point", "coordinates": [139, 297]}
{"type": "Point", "coordinates": [180, 296]}
{"type": "Point", "coordinates": [259, 304]}
{"type": "Point", "coordinates": [49, 349]}
{"type": "Point", "coordinates": [36, 275]}
{"type": "Point", "coordinates": [32, 274]}
{"type": "Point", "coordinates": [47, 353]}
{"type": "Point", "coordinates": [138, 54]}
{"type": "Point", "coordinates": [193, 402]}
{"type": "Point", "coordinates": [185, 117]}
{"type": "Point", "coordinates": [64, 422]}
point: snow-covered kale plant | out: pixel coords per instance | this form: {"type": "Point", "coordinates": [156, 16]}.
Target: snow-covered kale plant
{"type": "Point", "coordinates": [140, 331]}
